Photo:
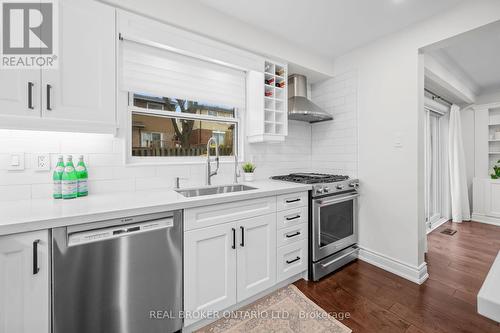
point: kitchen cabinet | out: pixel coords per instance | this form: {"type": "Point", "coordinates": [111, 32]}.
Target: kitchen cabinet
{"type": "Point", "coordinates": [78, 95]}
{"type": "Point", "coordinates": [256, 255]}
{"type": "Point", "coordinates": [267, 103]}
{"type": "Point", "coordinates": [231, 250]}
{"type": "Point", "coordinates": [228, 263]}
{"type": "Point", "coordinates": [24, 283]}
{"type": "Point", "coordinates": [15, 87]}
{"type": "Point", "coordinates": [209, 269]}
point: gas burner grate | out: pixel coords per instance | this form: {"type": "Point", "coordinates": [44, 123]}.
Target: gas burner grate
{"type": "Point", "coordinates": [311, 178]}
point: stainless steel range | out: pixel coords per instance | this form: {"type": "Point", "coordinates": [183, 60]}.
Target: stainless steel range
{"type": "Point", "coordinates": [333, 216]}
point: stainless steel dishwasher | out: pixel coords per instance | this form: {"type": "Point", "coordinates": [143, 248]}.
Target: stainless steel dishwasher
{"type": "Point", "coordinates": [118, 276]}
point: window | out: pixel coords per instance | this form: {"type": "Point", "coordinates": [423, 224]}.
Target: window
{"type": "Point", "coordinates": [177, 102]}
{"type": "Point", "coordinates": [178, 127]}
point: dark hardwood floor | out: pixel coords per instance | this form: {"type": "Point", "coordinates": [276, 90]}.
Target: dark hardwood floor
{"type": "Point", "coordinates": [379, 301]}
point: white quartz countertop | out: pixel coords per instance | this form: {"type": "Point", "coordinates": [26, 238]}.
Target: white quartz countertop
{"type": "Point", "coordinates": [30, 215]}
{"type": "Point", "coordinates": [488, 298]}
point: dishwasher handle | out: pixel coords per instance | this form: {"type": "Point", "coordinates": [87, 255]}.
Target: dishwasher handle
{"type": "Point", "coordinates": [109, 233]}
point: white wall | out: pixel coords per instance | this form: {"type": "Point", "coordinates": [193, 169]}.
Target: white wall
{"type": "Point", "coordinates": [390, 104]}
{"type": "Point", "coordinates": [335, 143]}
{"type": "Point", "coordinates": [468, 135]}
{"type": "Point", "coordinates": [206, 21]}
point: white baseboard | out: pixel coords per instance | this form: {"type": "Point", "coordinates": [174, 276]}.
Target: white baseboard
{"type": "Point", "coordinates": [485, 219]}
{"type": "Point", "coordinates": [414, 274]}
{"type": "Point", "coordinates": [437, 224]}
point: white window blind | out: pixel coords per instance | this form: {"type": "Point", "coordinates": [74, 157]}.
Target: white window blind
{"type": "Point", "coordinates": [151, 70]}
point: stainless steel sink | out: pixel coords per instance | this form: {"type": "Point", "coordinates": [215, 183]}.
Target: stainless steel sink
{"type": "Point", "coordinates": [196, 192]}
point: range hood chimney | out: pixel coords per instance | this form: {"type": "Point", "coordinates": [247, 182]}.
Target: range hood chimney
{"type": "Point", "coordinates": [299, 107]}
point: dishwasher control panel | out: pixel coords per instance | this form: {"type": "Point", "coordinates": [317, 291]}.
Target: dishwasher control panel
{"type": "Point", "coordinates": [96, 235]}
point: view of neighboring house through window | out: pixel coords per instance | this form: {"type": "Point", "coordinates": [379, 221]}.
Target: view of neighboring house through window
{"type": "Point", "coordinates": [163, 126]}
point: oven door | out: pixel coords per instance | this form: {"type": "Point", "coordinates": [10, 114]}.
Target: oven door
{"type": "Point", "coordinates": [335, 224]}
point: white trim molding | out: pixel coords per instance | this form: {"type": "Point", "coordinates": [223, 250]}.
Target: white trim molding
{"type": "Point", "coordinates": [412, 273]}
{"type": "Point", "coordinates": [480, 218]}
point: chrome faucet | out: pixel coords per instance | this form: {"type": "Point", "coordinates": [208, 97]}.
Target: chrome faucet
{"type": "Point", "coordinates": [236, 169]}
{"type": "Point", "coordinates": [211, 173]}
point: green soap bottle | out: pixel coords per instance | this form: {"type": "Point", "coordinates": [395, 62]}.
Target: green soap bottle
{"type": "Point", "coordinates": [57, 178]}
{"type": "Point", "coordinates": [69, 180]}
{"type": "Point", "coordinates": [82, 176]}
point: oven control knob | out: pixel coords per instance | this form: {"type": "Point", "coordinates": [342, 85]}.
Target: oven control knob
{"type": "Point", "coordinates": [340, 187]}
{"type": "Point", "coordinates": [326, 189]}
{"type": "Point", "coordinates": [319, 190]}
{"type": "Point", "coordinates": [354, 185]}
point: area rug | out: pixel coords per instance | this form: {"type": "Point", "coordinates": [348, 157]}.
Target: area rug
{"type": "Point", "coordinates": [285, 310]}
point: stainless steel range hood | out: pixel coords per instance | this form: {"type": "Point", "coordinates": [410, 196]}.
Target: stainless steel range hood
{"type": "Point", "coordinates": [299, 107]}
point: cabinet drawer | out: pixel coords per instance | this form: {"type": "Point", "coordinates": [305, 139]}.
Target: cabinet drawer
{"type": "Point", "coordinates": [291, 217]}
{"type": "Point", "coordinates": [292, 259]}
{"type": "Point", "coordinates": [205, 216]}
{"type": "Point", "coordinates": [293, 200]}
{"type": "Point", "coordinates": [291, 234]}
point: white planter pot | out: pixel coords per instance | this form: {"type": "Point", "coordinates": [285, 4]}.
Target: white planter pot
{"type": "Point", "coordinates": [248, 176]}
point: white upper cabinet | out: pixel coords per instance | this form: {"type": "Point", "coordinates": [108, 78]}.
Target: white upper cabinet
{"type": "Point", "coordinates": [18, 93]}
{"type": "Point", "coordinates": [24, 283]}
{"type": "Point", "coordinates": [267, 103]}
{"type": "Point", "coordinates": [78, 95]}
{"type": "Point", "coordinates": [82, 89]}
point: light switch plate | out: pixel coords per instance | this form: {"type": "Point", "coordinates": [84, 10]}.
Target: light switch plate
{"type": "Point", "coordinates": [41, 162]}
{"type": "Point", "coordinates": [15, 162]}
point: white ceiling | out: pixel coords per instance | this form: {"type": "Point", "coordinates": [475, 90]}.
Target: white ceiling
{"type": "Point", "coordinates": [330, 27]}
{"type": "Point", "coordinates": [473, 56]}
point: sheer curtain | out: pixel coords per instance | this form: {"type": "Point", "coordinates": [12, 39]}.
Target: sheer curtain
{"type": "Point", "coordinates": [460, 209]}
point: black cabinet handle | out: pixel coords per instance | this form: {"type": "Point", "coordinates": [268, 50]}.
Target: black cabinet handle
{"type": "Point", "coordinates": [293, 235]}
{"type": "Point", "coordinates": [234, 238]}
{"type": "Point", "coordinates": [292, 261]}
{"type": "Point", "coordinates": [294, 200]}
{"type": "Point", "coordinates": [242, 244]}
{"type": "Point", "coordinates": [293, 218]}
{"type": "Point", "coordinates": [49, 88]}
{"type": "Point", "coordinates": [30, 95]}
{"type": "Point", "coordinates": [36, 269]}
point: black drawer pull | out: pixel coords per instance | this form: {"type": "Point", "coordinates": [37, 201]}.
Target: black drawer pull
{"type": "Point", "coordinates": [36, 268]}
{"type": "Point", "coordinates": [234, 239]}
{"type": "Point", "coordinates": [30, 95]}
{"type": "Point", "coordinates": [292, 261]}
{"type": "Point", "coordinates": [293, 218]}
{"type": "Point", "coordinates": [293, 235]}
{"type": "Point", "coordinates": [294, 200]}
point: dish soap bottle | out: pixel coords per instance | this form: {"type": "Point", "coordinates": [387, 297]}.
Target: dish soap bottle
{"type": "Point", "coordinates": [82, 176]}
{"type": "Point", "coordinates": [69, 180]}
{"type": "Point", "coordinates": [57, 178]}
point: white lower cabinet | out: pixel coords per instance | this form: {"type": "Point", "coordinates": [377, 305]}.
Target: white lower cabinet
{"type": "Point", "coordinates": [256, 264]}
{"type": "Point", "coordinates": [209, 269]}
{"type": "Point", "coordinates": [241, 255]}
{"type": "Point", "coordinates": [24, 283]}
{"type": "Point", "coordinates": [228, 263]}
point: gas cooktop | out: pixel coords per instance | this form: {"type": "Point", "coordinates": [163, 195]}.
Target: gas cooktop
{"type": "Point", "coordinates": [311, 178]}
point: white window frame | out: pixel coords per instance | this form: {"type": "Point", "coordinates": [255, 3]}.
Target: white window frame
{"type": "Point", "coordinates": [166, 160]}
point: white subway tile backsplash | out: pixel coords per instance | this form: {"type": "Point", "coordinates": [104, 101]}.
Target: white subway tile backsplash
{"type": "Point", "coordinates": [329, 147]}
{"type": "Point", "coordinates": [15, 192]}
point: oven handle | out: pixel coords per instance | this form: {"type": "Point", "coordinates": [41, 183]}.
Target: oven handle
{"type": "Point", "coordinates": [324, 203]}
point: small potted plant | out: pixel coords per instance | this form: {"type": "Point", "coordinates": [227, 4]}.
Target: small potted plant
{"type": "Point", "coordinates": [496, 173]}
{"type": "Point", "coordinates": [248, 169]}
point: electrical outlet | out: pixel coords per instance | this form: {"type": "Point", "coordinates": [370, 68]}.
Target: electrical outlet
{"type": "Point", "coordinates": [16, 162]}
{"type": "Point", "coordinates": [42, 162]}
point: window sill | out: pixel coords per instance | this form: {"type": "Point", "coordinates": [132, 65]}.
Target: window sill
{"type": "Point", "coordinates": [159, 161]}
